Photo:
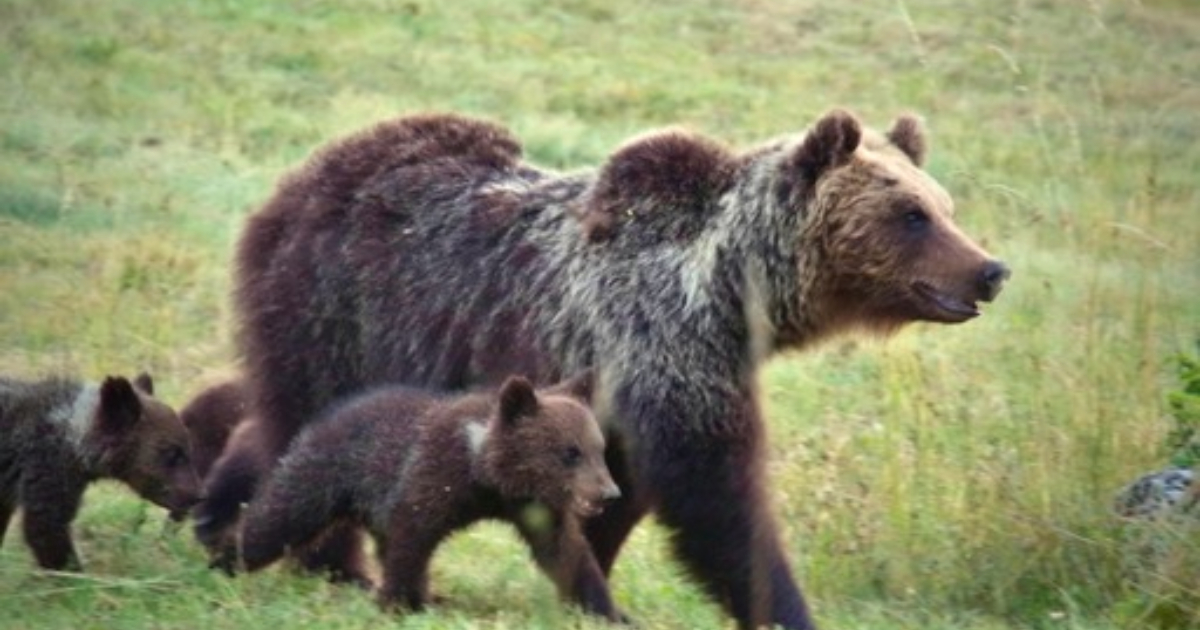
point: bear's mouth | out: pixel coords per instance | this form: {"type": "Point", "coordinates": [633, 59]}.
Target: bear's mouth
{"type": "Point", "coordinates": [587, 508]}
{"type": "Point", "coordinates": [943, 306]}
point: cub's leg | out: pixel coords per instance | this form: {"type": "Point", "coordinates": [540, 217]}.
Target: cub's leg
{"type": "Point", "coordinates": [406, 558]}
{"type": "Point", "coordinates": [50, 504]}
{"type": "Point", "coordinates": [561, 550]}
{"type": "Point", "coordinates": [290, 512]}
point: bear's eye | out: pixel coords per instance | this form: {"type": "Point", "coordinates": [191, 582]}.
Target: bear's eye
{"type": "Point", "coordinates": [915, 219]}
{"type": "Point", "coordinates": [572, 456]}
{"type": "Point", "coordinates": [174, 456]}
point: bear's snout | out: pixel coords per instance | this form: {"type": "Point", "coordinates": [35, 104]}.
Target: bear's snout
{"type": "Point", "coordinates": [609, 492]}
{"type": "Point", "coordinates": [600, 493]}
{"type": "Point", "coordinates": [991, 279]}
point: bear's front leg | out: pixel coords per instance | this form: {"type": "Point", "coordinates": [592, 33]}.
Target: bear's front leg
{"type": "Point", "coordinates": [231, 482]}
{"type": "Point", "coordinates": [8, 505]}
{"type": "Point", "coordinates": [409, 549]}
{"type": "Point", "coordinates": [562, 552]}
{"type": "Point", "coordinates": [701, 460]}
{"type": "Point", "coordinates": [49, 504]}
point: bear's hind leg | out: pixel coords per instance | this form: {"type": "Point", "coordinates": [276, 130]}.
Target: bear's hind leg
{"type": "Point", "coordinates": [302, 499]}
{"type": "Point", "coordinates": [339, 553]}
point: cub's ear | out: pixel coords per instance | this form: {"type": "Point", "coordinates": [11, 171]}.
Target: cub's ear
{"type": "Point", "coordinates": [908, 134]}
{"type": "Point", "coordinates": [517, 399]}
{"type": "Point", "coordinates": [119, 408]}
{"type": "Point", "coordinates": [579, 386]}
{"type": "Point", "coordinates": [829, 143]}
{"type": "Point", "coordinates": [144, 383]}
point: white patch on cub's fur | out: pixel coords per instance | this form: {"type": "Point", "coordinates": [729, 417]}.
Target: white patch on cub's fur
{"type": "Point", "coordinates": [477, 435]}
{"type": "Point", "coordinates": [79, 416]}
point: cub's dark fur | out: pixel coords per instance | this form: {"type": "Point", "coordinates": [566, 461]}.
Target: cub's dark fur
{"type": "Point", "coordinates": [414, 467]}
{"type": "Point", "coordinates": [58, 435]}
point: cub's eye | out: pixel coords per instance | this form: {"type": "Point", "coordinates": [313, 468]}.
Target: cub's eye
{"type": "Point", "coordinates": [174, 456]}
{"type": "Point", "coordinates": [915, 219]}
{"type": "Point", "coordinates": [572, 456]}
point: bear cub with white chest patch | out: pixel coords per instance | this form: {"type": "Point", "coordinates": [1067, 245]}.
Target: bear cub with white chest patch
{"type": "Point", "coordinates": [58, 435]}
{"type": "Point", "coordinates": [412, 467]}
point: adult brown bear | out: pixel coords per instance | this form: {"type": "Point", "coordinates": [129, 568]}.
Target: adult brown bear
{"type": "Point", "coordinates": [424, 251]}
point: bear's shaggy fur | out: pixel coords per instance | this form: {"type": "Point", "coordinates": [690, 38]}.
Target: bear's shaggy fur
{"type": "Point", "coordinates": [424, 251]}
{"type": "Point", "coordinates": [413, 467]}
{"type": "Point", "coordinates": [59, 435]}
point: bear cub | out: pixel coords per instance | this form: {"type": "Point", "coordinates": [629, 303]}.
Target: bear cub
{"type": "Point", "coordinates": [59, 435]}
{"type": "Point", "coordinates": [412, 467]}
{"type": "Point", "coordinates": [211, 418]}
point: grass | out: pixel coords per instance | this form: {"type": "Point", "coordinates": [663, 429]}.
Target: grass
{"type": "Point", "coordinates": [947, 478]}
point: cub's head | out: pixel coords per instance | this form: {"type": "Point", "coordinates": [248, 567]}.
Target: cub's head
{"type": "Point", "coordinates": [137, 439]}
{"type": "Point", "coordinates": [878, 245]}
{"type": "Point", "coordinates": [546, 445]}
{"type": "Point", "coordinates": [210, 418]}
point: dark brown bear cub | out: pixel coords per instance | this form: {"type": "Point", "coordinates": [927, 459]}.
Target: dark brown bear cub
{"type": "Point", "coordinates": [211, 417]}
{"type": "Point", "coordinates": [58, 435]}
{"type": "Point", "coordinates": [413, 467]}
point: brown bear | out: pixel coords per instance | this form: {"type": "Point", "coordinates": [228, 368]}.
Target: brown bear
{"type": "Point", "coordinates": [210, 418]}
{"type": "Point", "coordinates": [425, 251]}
{"type": "Point", "coordinates": [413, 467]}
{"type": "Point", "coordinates": [58, 435]}
{"type": "Point", "coordinates": [243, 461]}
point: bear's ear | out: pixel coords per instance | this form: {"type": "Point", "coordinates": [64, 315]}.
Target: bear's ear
{"type": "Point", "coordinates": [829, 143]}
{"type": "Point", "coordinates": [908, 134]}
{"type": "Point", "coordinates": [144, 383]}
{"type": "Point", "coordinates": [517, 399]}
{"type": "Point", "coordinates": [580, 386]}
{"type": "Point", "coordinates": [119, 407]}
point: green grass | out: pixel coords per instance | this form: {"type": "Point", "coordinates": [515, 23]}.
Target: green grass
{"type": "Point", "coordinates": [947, 478]}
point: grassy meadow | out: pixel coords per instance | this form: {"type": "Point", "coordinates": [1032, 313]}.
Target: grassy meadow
{"type": "Point", "coordinates": [948, 478]}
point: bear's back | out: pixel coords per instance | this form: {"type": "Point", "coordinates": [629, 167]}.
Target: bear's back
{"type": "Point", "coordinates": [379, 426]}
{"type": "Point", "coordinates": [26, 403]}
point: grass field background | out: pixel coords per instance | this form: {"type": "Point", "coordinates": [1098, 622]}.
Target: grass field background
{"type": "Point", "coordinates": [951, 477]}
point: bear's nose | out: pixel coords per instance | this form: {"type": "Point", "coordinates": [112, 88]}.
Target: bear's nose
{"type": "Point", "coordinates": [992, 278]}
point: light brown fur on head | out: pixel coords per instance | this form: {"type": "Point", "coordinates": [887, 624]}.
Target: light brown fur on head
{"type": "Point", "coordinates": [141, 441]}
{"type": "Point", "coordinates": [549, 447]}
{"type": "Point", "coordinates": [884, 230]}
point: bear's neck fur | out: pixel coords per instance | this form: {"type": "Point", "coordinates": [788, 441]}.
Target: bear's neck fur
{"type": "Point", "coordinates": [726, 287]}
